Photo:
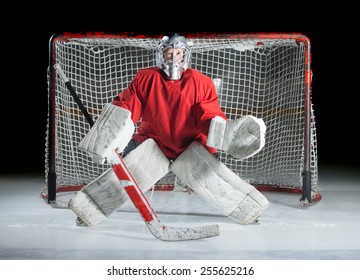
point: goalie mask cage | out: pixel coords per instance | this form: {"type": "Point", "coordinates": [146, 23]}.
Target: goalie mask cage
{"type": "Point", "coordinates": [267, 75]}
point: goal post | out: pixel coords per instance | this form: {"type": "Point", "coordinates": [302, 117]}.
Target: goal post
{"type": "Point", "coordinates": [267, 75]}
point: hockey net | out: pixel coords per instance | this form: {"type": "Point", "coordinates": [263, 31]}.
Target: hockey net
{"type": "Point", "coordinates": [265, 75]}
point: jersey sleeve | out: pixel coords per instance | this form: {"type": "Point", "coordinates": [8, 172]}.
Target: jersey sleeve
{"type": "Point", "coordinates": [208, 108]}
{"type": "Point", "coordinates": [131, 100]}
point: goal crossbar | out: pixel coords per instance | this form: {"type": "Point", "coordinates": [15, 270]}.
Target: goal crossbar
{"type": "Point", "coordinates": [267, 75]}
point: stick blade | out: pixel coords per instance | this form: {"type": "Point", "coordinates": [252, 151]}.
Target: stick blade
{"type": "Point", "coordinates": [166, 233]}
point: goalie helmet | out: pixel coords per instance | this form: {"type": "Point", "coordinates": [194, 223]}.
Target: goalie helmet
{"type": "Point", "coordinates": [173, 55]}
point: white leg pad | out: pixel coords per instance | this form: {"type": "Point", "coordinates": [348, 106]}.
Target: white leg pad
{"type": "Point", "coordinates": [86, 208]}
{"type": "Point", "coordinates": [216, 183]}
{"type": "Point", "coordinates": [146, 163]}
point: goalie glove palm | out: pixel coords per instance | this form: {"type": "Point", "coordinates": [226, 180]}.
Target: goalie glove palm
{"type": "Point", "coordinates": [241, 138]}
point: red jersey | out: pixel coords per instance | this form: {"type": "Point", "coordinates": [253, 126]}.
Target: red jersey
{"type": "Point", "coordinates": [172, 112]}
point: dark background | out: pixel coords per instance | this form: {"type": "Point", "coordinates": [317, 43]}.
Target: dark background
{"type": "Point", "coordinates": [25, 44]}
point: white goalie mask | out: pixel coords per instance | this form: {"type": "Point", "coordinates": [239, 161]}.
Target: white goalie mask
{"type": "Point", "coordinates": [173, 55]}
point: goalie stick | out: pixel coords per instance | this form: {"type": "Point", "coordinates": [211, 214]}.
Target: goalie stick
{"type": "Point", "coordinates": [136, 195]}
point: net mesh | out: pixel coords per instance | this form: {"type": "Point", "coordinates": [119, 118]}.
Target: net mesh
{"type": "Point", "coordinates": [260, 77]}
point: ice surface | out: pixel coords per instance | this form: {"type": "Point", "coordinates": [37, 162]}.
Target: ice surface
{"type": "Point", "coordinates": [31, 229]}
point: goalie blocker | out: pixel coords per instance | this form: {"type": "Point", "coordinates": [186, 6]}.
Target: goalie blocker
{"type": "Point", "coordinates": [113, 130]}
